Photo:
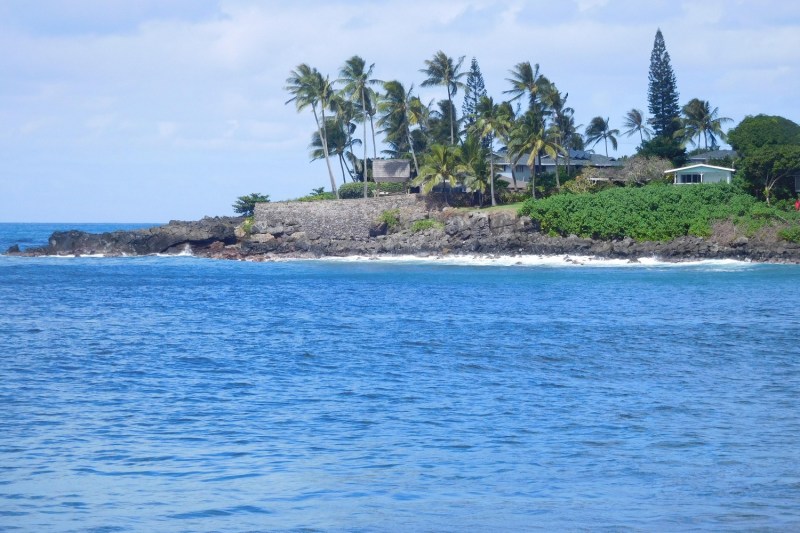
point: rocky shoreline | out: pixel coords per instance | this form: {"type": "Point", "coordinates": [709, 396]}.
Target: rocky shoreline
{"type": "Point", "coordinates": [361, 228]}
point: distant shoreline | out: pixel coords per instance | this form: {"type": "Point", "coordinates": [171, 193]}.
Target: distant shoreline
{"type": "Point", "coordinates": [359, 228]}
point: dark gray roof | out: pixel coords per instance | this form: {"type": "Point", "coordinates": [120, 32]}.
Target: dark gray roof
{"type": "Point", "coordinates": [713, 154]}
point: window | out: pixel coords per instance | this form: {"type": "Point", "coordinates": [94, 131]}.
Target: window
{"type": "Point", "coordinates": [689, 178]}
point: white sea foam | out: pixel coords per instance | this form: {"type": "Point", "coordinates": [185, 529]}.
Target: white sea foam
{"type": "Point", "coordinates": [557, 261]}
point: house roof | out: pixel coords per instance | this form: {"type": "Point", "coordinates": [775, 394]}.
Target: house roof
{"type": "Point", "coordinates": [577, 158]}
{"type": "Point", "coordinates": [713, 154]}
{"type": "Point", "coordinates": [391, 170]}
{"type": "Point", "coordinates": [697, 166]}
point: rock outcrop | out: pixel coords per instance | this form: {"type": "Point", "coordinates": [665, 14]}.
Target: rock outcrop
{"type": "Point", "coordinates": [392, 226]}
{"type": "Point", "coordinates": [171, 238]}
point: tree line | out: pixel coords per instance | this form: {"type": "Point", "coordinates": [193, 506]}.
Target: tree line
{"type": "Point", "coordinates": [448, 148]}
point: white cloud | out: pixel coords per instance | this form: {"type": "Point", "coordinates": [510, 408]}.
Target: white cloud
{"type": "Point", "coordinates": [196, 86]}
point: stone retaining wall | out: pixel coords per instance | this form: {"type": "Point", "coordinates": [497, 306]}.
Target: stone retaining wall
{"type": "Point", "coordinates": [332, 219]}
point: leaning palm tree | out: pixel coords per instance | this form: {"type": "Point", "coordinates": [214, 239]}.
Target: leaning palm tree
{"type": "Point", "coordinates": [599, 130]}
{"type": "Point", "coordinates": [357, 78]}
{"type": "Point", "coordinates": [345, 114]}
{"type": "Point", "coordinates": [442, 166]}
{"type": "Point", "coordinates": [340, 144]}
{"type": "Point", "coordinates": [441, 70]}
{"type": "Point", "coordinates": [636, 123]}
{"type": "Point", "coordinates": [309, 88]}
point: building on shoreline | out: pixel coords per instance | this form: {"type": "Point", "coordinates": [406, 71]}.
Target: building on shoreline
{"type": "Point", "coordinates": [701, 173]}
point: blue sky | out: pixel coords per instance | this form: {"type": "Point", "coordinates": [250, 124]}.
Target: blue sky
{"type": "Point", "coordinates": [151, 110]}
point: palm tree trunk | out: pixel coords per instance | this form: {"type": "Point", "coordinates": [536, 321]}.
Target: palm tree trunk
{"type": "Point", "coordinates": [341, 165]}
{"type": "Point", "coordinates": [323, 135]}
{"type": "Point", "coordinates": [374, 146]}
{"type": "Point", "coordinates": [491, 177]}
{"type": "Point", "coordinates": [450, 111]}
{"type": "Point", "coordinates": [411, 147]}
{"type": "Point", "coordinates": [364, 110]}
{"type": "Point", "coordinates": [605, 140]}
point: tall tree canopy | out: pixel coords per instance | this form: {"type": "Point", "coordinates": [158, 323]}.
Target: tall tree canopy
{"type": "Point", "coordinates": [473, 92]}
{"type": "Point", "coordinates": [769, 147]}
{"type": "Point", "coordinates": [662, 92]}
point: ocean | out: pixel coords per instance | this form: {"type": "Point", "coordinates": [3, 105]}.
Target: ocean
{"type": "Point", "coordinates": [530, 394]}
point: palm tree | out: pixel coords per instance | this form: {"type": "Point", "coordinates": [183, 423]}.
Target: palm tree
{"type": "Point", "coordinates": [309, 88]}
{"type": "Point", "coordinates": [507, 122]}
{"type": "Point", "coordinates": [399, 111]}
{"type": "Point", "coordinates": [345, 115]}
{"type": "Point", "coordinates": [561, 121]}
{"type": "Point", "coordinates": [636, 123]}
{"type": "Point", "coordinates": [597, 130]}
{"type": "Point", "coordinates": [443, 166]}
{"type": "Point", "coordinates": [526, 80]}
{"type": "Point", "coordinates": [490, 121]}
{"type": "Point", "coordinates": [529, 136]}
{"type": "Point", "coordinates": [701, 121]}
{"type": "Point", "coordinates": [357, 78]}
{"type": "Point", "coordinates": [340, 144]}
{"type": "Point", "coordinates": [441, 70]}
{"type": "Point", "coordinates": [473, 157]}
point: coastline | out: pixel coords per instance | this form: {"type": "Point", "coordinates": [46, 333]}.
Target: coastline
{"type": "Point", "coordinates": [354, 230]}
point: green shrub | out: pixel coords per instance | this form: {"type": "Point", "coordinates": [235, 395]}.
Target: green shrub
{"type": "Point", "coordinates": [791, 233]}
{"type": "Point", "coordinates": [317, 197]}
{"type": "Point", "coordinates": [654, 213]}
{"type": "Point", "coordinates": [425, 224]}
{"type": "Point", "coordinates": [247, 225]}
{"type": "Point", "coordinates": [246, 205]}
{"type": "Point", "coordinates": [355, 189]}
{"type": "Point", "coordinates": [391, 217]}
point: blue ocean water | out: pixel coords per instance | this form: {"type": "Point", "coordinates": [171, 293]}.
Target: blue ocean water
{"type": "Point", "coordinates": [182, 394]}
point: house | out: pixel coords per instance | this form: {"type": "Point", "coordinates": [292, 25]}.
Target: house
{"type": "Point", "coordinates": [577, 159]}
{"type": "Point", "coordinates": [701, 173]}
{"type": "Point", "coordinates": [713, 155]}
{"type": "Point", "coordinates": [391, 170]}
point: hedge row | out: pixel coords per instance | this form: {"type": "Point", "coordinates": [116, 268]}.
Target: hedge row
{"type": "Point", "coordinates": [653, 213]}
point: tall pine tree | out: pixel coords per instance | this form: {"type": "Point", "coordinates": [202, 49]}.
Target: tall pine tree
{"type": "Point", "coordinates": [662, 93]}
{"type": "Point", "coordinates": [472, 95]}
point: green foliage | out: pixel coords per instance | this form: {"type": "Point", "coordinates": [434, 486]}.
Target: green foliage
{"type": "Point", "coordinates": [769, 147]}
{"type": "Point", "coordinates": [581, 184]}
{"type": "Point", "coordinates": [355, 190]}
{"type": "Point", "coordinates": [314, 197]}
{"type": "Point", "coordinates": [763, 130]}
{"type": "Point", "coordinates": [391, 217]}
{"type": "Point", "coordinates": [664, 148]}
{"type": "Point", "coordinates": [247, 225]}
{"type": "Point", "coordinates": [790, 233]}
{"type": "Point", "coordinates": [246, 205]}
{"type": "Point", "coordinates": [655, 213]}
{"type": "Point", "coordinates": [662, 91]}
{"type": "Point", "coordinates": [425, 224]}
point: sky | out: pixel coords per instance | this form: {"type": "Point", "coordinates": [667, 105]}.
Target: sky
{"type": "Point", "coordinates": [154, 110]}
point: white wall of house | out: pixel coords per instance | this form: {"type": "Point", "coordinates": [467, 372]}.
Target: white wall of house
{"type": "Point", "coordinates": [701, 174]}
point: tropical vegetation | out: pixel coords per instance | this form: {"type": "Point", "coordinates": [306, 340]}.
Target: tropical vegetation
{"type": "Point", "coordinates": [451, 150]}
